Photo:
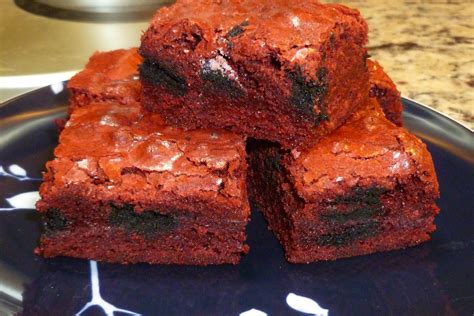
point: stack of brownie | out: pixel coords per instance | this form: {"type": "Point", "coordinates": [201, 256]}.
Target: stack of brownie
{"type": "Point", "coordinates": [152, 163]}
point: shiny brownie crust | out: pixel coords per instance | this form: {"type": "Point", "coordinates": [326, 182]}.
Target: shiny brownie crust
{"type": "Point", "coordinates": [125, 188]}
{"type": "Point", "coordinates": [369, 186]}
{"type": "Point", "coordinates": [283, 71]}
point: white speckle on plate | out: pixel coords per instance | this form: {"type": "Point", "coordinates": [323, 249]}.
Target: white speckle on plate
{"type": "Point", "coordinates": [253, 312]}
{"type": "Point", "coordinates": [305, 305]}
{"type": "Point", "coordinates": [17, 170]}
{"type": "Point", "coordinates": [25, 200]}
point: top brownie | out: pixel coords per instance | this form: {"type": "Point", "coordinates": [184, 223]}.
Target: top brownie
{"type": "Point", "coordinates": [108, 76]}
{"type": "Point", "coordinates": [284, 71]}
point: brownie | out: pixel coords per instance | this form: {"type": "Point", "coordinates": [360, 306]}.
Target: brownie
{"type": "Point", "coordinates": [284, 71]}
{"type": "Point", "coordinates": [125, 188]}
{"type": "Point", "coordinates": [108, 76]}
{"type": "Point", "coordinates": [385, 91]}
{"type": "Point", "coordinates": [113, 75]}
{"type": "Point", "coordinates": [369, 186]}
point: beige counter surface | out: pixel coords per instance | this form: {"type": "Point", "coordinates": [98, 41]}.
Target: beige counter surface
{"type": "Point", "coordinates": [427, 48]}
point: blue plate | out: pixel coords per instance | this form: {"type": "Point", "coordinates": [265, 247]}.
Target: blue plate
{"type": "Point", "coordinates": [435, 278]}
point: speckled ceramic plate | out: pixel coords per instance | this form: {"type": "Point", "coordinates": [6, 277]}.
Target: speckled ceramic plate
{"type": "Point", "coordinates": [435, 278]}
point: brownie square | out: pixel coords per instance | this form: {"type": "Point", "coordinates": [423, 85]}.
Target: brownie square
{"type": "Point", "coordinates": [284, 71]}
{"type": "Point", "coordinates": [108, 76]}
{"type": "Point", "coordinates": [369, 186]}
{"type": "Point", "coordinates": [125, 188]}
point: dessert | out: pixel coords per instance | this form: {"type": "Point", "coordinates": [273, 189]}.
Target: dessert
{"type": "Point", "coordinates": [108, 76]}
{"type": "Point", "coordinates": [369, 186]}
{"type": "Point", "coordinates": [385, 91]}
{"type": "Point", "coordinates": [113, 75]}
{"type": "Point", "coordinates": [153, 157]}
{"type": "Point", "coordinates": [283, 71]}
{"type": "Point", "coordinates": [125, 188]}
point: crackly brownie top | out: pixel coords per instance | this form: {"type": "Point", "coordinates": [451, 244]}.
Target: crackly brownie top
{"type": "Point", "coordinates": [120, 149]}
{"type": "Point", "coordinates": [293, 29]}
{"type": "Point", "coordinates": [367, 151]}
{"type": "Point", "coordinates": [107, 71]}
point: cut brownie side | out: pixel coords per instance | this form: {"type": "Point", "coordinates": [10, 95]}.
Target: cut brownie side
{"type": "Point", "coordinates": [125, 188]}
{"type": "Point", "coordinates": [385, 91]}
{"type": "Point", "coordinates": [108, 76]}
{"type": "Point", "coordinates": [113, 76]}
{"type": "Point", "coordinates": [369, 186]}
{"type": "Point", "coordinates": [284, 71]}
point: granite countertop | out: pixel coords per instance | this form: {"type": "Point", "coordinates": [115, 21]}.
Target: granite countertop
{"type": "Point", "coordinates": [427, 49]}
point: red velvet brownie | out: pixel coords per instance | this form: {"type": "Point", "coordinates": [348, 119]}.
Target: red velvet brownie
{"type": "Point", "coordinates": [108, 76]}
{"type": "Point", "coordinates": [369, 186]}
{"type": "Point", "coordinates": [125, 188]}
{"type": "Point", "coordinates": [385, 91]}
{"type": "Point", "coordinates": [285, 71]}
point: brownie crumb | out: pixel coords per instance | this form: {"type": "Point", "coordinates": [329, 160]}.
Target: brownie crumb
{"type": "Point", "coordinates": [159, 74]}
{"type": "Point", "coordinates": [196, 38]}
{"type": "Point", "coordinates": [147, 223]}
{"type": "Point", "coordinates": [237, 30]}
{"type": "Point", "coordinates": [275, 61]}
{"type": "Point", "coordinates": [54, 221]}
{"type": "Point", "coordinates": [348, 234]}
{"type": "Point", "coordinates": [377, 92]}
{"type": "Point", "coordinates": [332, 40]}
{"type": "Point", "coordinates": [305, 93]}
